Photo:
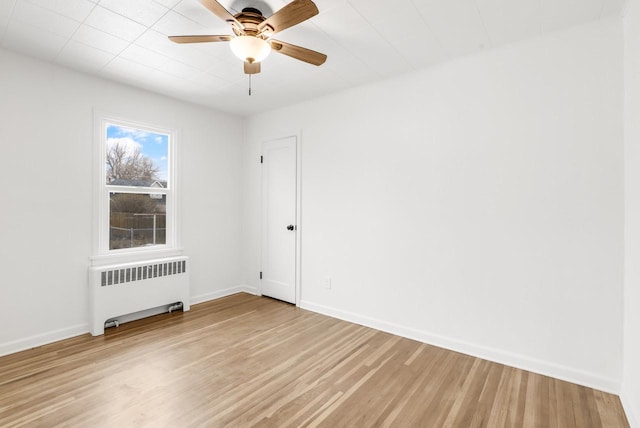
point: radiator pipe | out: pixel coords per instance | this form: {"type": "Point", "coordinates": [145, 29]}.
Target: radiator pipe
{"type": "Point", "coordinates": [112, 323]}
{"type": "Point", "coordinates": [175, 307]}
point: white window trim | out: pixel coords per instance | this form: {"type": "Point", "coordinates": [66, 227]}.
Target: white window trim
{"type": "Point", "coordinates": [101, 253]}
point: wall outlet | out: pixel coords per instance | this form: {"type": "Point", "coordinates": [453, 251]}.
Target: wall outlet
{"type": "Point", "coordinates": [327, 283]}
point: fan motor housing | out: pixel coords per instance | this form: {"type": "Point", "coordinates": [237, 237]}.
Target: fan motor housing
{"type": "Point", "coordinates": [250, 18]}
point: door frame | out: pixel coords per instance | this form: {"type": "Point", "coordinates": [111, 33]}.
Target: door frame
{"type": "Point", "coordinates": [298, 251]}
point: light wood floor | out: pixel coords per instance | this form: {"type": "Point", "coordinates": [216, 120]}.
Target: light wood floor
{"type": "Point", "coordinates": [246, 360]}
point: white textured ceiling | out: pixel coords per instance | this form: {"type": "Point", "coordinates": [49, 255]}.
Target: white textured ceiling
{"type": "Point", "coordinates": [365, 40]}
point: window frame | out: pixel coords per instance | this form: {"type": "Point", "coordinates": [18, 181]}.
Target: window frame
{"type": "Point", "coordinates": [101, 252]}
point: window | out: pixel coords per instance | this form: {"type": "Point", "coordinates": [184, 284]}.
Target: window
{"type": "Point", "coordinates": [136, 209]}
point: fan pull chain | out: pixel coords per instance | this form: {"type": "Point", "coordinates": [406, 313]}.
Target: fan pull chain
{"type": "Point", "coordinates": [249, 85]}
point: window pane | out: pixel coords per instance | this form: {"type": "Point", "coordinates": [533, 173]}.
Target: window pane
{"type": "Point", "coordinates": [136, 157]}
{"type": "Point", "coordinates": [137, 220]}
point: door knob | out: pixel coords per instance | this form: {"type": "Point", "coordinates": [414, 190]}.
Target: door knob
{"type": "Point", "coordinates": [290, 227]}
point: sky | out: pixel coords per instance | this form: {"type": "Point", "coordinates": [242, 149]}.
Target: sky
{"type": "Point", "coordinates": [152, 145]}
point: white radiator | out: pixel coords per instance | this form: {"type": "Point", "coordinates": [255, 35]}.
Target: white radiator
{"type": "Point", "coordinates": [133, 287]}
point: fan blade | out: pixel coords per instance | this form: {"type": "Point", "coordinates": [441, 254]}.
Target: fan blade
{"type": "Point", "coordinates": [222, 13]}
{"type": "Point", "coordinates": [297, 52]}
{"type": "Point", "coordinates": [292, 14]}
{"type": "Point", "coordinates": [251, 68]}
{"type": "Point", "coordinates": [199, 39]}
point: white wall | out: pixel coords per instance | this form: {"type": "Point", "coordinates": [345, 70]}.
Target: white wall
{"type": "Point", "coordinates": [631, 379]}
{"type": "Point", "coordinates": [477, 205]}
{"type": "Point", "coordinates": [46, 136]}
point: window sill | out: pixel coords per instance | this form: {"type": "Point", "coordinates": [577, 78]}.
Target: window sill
{"type": "Point", "coordinates": [134, 256]}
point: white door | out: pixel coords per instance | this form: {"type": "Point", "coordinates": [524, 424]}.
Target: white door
{"type": "Point", "coordinates": [279, 227]}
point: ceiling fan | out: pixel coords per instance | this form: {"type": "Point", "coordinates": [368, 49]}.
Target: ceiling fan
{"type": "Point", "coordinates": [252, 41]}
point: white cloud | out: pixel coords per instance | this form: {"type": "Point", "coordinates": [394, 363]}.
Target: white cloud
{"type": "Point", "coordinates": [130, 144]}
{"type": "Point", "coordinates": [163, 158]}
{"type": "Point", "coordinates": [134, 133]}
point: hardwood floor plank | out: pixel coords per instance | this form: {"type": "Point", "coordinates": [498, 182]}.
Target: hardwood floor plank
{"type": "Point", "coordinates": [250, 361]}
{"type": "Point", "coordinates": [499, 407]}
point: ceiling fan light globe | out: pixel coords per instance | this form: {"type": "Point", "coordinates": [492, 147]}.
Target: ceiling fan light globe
{"type": "Point", "coordinates": [250, 49]}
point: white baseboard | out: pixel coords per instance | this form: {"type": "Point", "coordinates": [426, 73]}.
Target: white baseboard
{"type": "Point", "coordinates": [201, 298]}
{"type": "Point", "coordinates": [65, 333]}
{"type": "Point", "coordinates": [491, 354]}
{"type": "Point", "coordinates": [251, 290]}
{"type": "Point", "coordinates": [632, 417]}
{"type": "Point", "coordinates": [496, 355]}
{"type": "Point", "coordinates": [42, 339]}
